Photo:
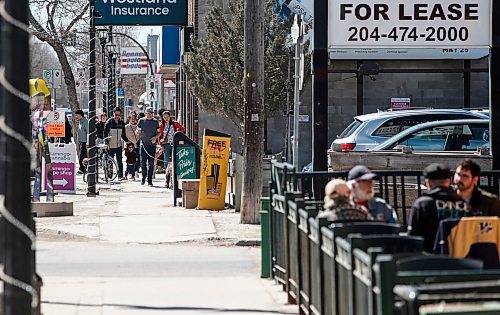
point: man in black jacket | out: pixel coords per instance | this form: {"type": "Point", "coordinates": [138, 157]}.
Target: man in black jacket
{"type": "Point", "coordinates": [438, 203]}
{"type": "Point", "coordinates": [115, 129]}
{"type": "Point", "coordinates": [481, 202]}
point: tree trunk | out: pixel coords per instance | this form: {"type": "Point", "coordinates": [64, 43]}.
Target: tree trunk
{"type": "Point", "coordinates": [69, 78]}
{"type": "Point", "coordinates": [254, 112]}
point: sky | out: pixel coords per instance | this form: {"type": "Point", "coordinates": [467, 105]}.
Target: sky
{"type": "Point", "coordinates": [143, 32]}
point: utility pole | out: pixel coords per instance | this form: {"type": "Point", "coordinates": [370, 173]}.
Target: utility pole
{"type": "Point", "coordinates": [320, 92]}
{"type": "Point", "coordinates": [254, 108]}
{"type": "Point", "coordinates": [495, 85]}
{"type": "Point", "coordinates": [15, 122]}
{"type": "Point", "coordinates": [91, 174]}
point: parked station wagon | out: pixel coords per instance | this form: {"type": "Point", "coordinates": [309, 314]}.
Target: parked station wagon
{"type": "Point", "coordinates": [447, 135]}
{"type": "Point", "coordinates": [369, 130]}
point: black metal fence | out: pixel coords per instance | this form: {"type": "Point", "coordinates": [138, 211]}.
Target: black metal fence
{"type": "Point", "coordinates": [335, 268]}
{"type": "Point", "coordinates": [400, 188]}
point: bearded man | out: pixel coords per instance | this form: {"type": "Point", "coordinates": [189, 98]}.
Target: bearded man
{"type": "Point", "coordinates": [481, 202]}
{"type": "Point", "coordinates": [361, 182]}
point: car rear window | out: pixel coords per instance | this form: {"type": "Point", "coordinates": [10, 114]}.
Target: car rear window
{"type": "Point", "coordinates": [389, 128]}
{"type": "Point", "coordinates": [350, 129]}
{"type": "Point", "coordinates": [397, 125]}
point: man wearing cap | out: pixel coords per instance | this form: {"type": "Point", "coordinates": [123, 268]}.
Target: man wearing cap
{"type": "Point", "coordinates": [149, 129]}
{"type": "Point", "coordinates": [363, 194]}
{"type": "Point", "coordinates": [438, 203]}
{"type": "Point", "coordinates": [339, 207]}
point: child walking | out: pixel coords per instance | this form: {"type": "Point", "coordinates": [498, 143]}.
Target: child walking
{"type": "Point", "coordinates": [132, 158]}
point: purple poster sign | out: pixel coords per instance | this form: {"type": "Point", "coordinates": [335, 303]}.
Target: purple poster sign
{"type": "Point", "coordinates": [63, 167]}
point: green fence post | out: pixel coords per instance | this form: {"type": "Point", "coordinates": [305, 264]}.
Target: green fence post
{"type": "Point", "coordinates": [265, 238]}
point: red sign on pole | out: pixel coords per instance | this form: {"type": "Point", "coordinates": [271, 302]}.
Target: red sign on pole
{"type": "Point", "coordinates": [400, 102]}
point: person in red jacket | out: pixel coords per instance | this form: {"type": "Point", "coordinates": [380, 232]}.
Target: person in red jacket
{"type": "Point", "coordinates": [168, 127]}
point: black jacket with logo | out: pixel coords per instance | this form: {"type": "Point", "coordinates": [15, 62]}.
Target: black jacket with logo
{"type": "Point", "coordinates": [435, 205]}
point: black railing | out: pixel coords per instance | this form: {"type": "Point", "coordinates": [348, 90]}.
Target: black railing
{"type": "Point", "coordinates": [399, 188]}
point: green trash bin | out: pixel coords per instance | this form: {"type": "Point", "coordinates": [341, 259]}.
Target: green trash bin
{"type": "Point", "coordinates": [265, 222]}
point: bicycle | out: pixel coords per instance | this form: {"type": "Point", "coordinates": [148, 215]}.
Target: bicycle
{"type": "Point", "coordinates": [107, 168]}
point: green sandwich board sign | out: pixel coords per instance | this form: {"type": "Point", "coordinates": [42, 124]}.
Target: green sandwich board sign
{"type": "Point", "coordinates": [185, 166]}
{"type": "Point", "coordinates": [141, 12]}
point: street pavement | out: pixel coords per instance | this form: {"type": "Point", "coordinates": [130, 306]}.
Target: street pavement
{"type": "Point", "coordinates": [131, 251]}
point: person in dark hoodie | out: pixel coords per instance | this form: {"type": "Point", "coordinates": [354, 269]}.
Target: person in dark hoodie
{"type": "Point", "coordinates": [438, 203]}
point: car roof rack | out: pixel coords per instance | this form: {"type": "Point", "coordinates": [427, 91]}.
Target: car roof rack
{"type": "Point", "coordinates": [381, 110]}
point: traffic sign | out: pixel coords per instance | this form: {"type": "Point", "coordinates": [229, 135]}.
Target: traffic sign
{"type": "Point", "coordinates": [47, 76]}
{"type": "Point", "coordinates": [120, 92]}
{"type": "Point", "coordinates": [82, 86]}
{"type": "Point", "coordinates": [57, 78]}
{"type": "Point", "coordinates": [80, 74]}
{"type": "Point", "coordinates": [55, 124]}
{"type": "Point", "coordinates": [102, 85]}
{"type": "Point", "coordinates": [151, 91]}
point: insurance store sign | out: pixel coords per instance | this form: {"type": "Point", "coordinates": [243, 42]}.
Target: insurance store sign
{"type": "Point", "coordinates": [443, 24]}
{"type": "Point", "coordinates": [141, 12]}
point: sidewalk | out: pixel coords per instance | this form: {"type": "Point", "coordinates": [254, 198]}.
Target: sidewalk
{"type": "Point", "coordinates": [124, 209]}
{"type": "Point", "coordinates": [131, 251]}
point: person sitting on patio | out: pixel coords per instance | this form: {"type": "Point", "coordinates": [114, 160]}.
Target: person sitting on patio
{"type": "Point", "coordinates": [363, 193]}
{"type": "Point", "coordinates": [338, 206]}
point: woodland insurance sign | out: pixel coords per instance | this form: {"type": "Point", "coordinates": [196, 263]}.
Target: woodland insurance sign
{"type": "Point", "coordinates": [141, 12]}
{"type": "Point", "coordinates": [374, 26]}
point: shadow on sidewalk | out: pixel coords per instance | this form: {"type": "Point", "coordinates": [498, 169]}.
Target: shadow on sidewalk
{"type": "Point", "coordinates": [167, 308]}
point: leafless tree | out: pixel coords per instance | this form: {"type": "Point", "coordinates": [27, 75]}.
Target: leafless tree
{"type": "Point", "coordinates": [55, 22]}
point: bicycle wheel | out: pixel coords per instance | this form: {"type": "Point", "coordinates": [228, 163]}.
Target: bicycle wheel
{"type": "Point", "coordinates": [101, 169]}
{"type": "Point", "coordinates": [111, 168]}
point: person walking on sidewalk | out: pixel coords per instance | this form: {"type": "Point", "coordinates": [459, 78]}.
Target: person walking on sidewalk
{"type": "Point", "coordinates": [99, 126]}
{"type": "Point", "coordinates": [133, 137]}
{"type": "Point", "coordinates": [149, 129]}
{"type": "Point", "coordinates": [168, 127]}
{"type": "Point", "coordinates": [131, 159]}
{"type": "Point", "coordinates": [82, 134]}
{"type": "Point", "coordinates": [115, 129]}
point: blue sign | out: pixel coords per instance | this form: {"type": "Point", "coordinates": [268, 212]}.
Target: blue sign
{"type": "Point", "coordinates": [170, 48]}
{"type": "Point", "coordinates": [120, 92]}
{"type": "Point", "coordinates": [141, 12]}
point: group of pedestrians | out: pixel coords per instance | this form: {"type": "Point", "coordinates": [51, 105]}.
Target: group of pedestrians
{"type": "Point", "coordinates": [354, 200]}
{"type": "Point", "coordinates": [141, 134]}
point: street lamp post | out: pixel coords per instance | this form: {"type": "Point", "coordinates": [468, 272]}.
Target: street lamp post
{"type": "Point", "coordinates": [111, 49]}
{"type": "Point", "coordinates": [296, 34]}
{"type": "Point", "coordinates": [92, 174]}
{"type": "Point", "coordinates": [103, 37]}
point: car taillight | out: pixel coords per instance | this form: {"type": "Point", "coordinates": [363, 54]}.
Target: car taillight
{"type": "Point", "coordinates": [347, 146]}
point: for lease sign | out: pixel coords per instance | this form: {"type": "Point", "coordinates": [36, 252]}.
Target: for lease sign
{"type": "Point", "coordinates": [391, 23]}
